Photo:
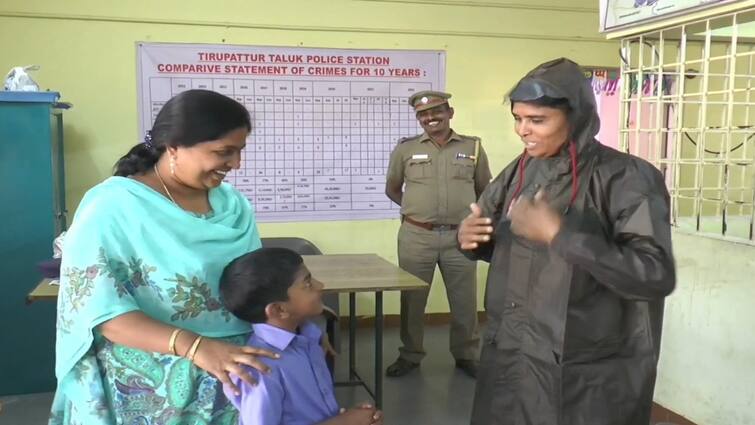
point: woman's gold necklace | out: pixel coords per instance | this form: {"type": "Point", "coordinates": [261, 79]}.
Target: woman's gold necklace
{"type": "Point", "coordinates": [167, 192]}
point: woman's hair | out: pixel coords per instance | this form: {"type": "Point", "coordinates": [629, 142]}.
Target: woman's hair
{"type": "Point", "coordinates": [548, 102]}
{"type": "Point", "coordinates": [254, 280]}
{"type": "Point", "coordinates": [191, 117]}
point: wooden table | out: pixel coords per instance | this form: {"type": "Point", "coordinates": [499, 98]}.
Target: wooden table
{"type": "Point", "coordinates": [339, 273]}
{"type": "Point", "coordinates": [352, 273]}
{"type": "Point", "coordinates": [43, 291]}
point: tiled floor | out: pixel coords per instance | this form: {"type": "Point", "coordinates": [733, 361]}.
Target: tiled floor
{"type": "Point", "coordinates": [436, 394]}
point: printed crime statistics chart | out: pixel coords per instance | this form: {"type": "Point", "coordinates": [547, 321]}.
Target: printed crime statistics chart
{"type": "Point", "coordinates": [324, 120]}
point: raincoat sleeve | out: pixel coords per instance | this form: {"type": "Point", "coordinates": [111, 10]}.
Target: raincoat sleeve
{"type": "Point", "coordinates": [636, 260]}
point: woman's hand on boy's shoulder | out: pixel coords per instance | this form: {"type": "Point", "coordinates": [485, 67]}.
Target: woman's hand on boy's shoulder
{"type": "Point", "coordinates": [221, 358]}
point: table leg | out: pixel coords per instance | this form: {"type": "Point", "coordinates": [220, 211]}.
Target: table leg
{"type": "Point", "coordinates": [354, 379]}
{"type": "Point", "coordinates": [352, 333]}
{"type": "Point", "coordinates": [379, 349]}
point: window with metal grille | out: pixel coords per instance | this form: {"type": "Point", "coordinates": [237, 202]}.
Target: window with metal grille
{"type": "Point", "coordinates": [687, 106]}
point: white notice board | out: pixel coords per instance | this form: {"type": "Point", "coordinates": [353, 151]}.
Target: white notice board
{"type": "Point", "coordinates": [324, 120]}
{"type": "Point", "coordinates": [618, 14]}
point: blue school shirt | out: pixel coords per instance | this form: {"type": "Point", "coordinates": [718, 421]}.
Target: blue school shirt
{"type": "Point", "coordinates": [297, 391]}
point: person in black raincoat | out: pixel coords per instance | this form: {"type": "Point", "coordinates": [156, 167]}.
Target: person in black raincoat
{"type": "Point", "coordinates": [578, 239]}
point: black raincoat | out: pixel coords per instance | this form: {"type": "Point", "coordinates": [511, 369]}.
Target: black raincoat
{"type": "Point", "coordinates": [573, 330]}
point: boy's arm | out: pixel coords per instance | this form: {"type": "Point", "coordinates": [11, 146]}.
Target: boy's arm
{"type": "Point", "coordinates": [261, 404]}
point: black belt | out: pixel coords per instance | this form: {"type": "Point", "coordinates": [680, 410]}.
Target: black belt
{"type": "Point", "coordinates": [430, 226]}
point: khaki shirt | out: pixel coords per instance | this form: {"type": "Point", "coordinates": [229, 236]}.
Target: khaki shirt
{"type": "Point", "coordinates": [440, 182]}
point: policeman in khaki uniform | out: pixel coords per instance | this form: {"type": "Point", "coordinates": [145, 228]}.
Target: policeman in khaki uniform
{"type": "Point", "coordinates": [434, 177]}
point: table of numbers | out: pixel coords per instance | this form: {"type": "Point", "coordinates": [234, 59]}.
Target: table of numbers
{"type": "Point", "coordinates": [318, 150]}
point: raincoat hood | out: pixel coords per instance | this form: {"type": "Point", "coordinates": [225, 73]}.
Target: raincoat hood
{"type": "Point", "coordinates": [563, 79]}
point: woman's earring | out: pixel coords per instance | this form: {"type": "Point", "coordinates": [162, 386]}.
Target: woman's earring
{"type": "Point", "coordinates": [173, 165]}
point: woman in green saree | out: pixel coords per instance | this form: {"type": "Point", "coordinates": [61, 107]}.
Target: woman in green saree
{"type": "Point", "coordinates": [141, 335]}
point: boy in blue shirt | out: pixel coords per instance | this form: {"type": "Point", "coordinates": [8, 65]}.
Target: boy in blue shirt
{"type": "Point", "coordinates": [272, 289]}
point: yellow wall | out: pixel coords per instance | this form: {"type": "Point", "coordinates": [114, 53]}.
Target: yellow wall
{"type": "Point", "coordinates": [706, 370]}
{"type": "Point", "coordinates": [87, 52]}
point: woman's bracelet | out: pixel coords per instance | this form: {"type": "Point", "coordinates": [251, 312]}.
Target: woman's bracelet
{"type": "Point", "coordinates": [173, 338]}
{"type": "Point", "coordinates": [193, 350]}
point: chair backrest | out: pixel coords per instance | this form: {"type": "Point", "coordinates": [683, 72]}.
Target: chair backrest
{"type": "Point", "coordinates": [298, 245]}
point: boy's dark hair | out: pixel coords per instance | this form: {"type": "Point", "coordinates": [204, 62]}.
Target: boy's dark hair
{"type": "Point", "coordinates": [254, 280]}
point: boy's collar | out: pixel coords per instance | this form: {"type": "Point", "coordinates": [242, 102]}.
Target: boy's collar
{"type": "Point", "coordinates": [281, 338]}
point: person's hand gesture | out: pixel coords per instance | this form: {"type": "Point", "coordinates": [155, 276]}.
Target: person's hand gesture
{"type": "Point", "coordinates": [474, 229]}
{"type": "Point", "coordinates": [535, 219]}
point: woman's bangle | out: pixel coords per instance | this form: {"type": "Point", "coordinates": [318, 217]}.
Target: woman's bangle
{"type": "Point", "coordinates": [173, 338]}
{"type": "Point", "coordinates": [193, 350]}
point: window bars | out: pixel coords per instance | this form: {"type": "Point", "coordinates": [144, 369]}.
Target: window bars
{"type": "Point", "coordinates": [688, 107]}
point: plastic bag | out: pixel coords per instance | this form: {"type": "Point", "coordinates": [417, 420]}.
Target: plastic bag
{"type": "Point", "coordinates": [18, 79]}
{"type": "Point", "coordinates": [57, 245]}
{"type": "Point", "coordinates": [50, 269]}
